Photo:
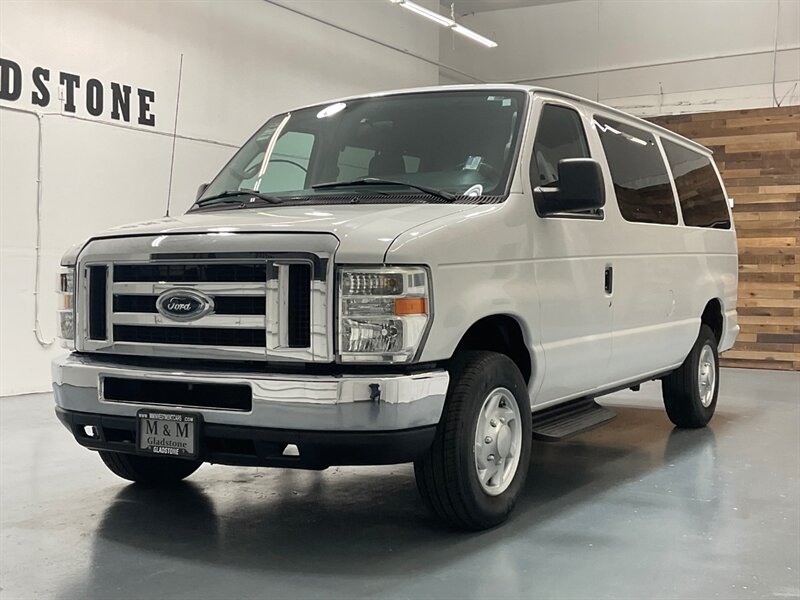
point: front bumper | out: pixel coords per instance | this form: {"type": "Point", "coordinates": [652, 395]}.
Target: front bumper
{"type": "Point", "coordinates": [321, 412]}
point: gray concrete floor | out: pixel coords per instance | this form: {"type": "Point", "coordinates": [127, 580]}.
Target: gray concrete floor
{"type": "Point", "coordinates": [632, 510]}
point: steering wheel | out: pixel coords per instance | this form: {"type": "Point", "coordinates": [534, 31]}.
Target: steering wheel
{"type": "Point", "coordinates": [491, 170]}
{"type": "Point", "coordinates": [288, 162]}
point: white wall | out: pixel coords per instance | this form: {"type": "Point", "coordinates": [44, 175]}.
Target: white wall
{"type": "Point", "coordinates": [626, 52]}
{"type": "Point", "coordinates": [243, 61]}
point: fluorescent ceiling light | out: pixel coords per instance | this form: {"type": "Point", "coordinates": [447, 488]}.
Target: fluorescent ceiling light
{"type": "Point", "coordinates": [331, 110]}
{"type": "Point", "coordinates": [474, 36]}
{"type": "Point", "coordinates": [428, 14]}
{"type": "Point", "coordinates": [635, 140]}
{"type": "Point", "coordinates": [627, 136]}
{"type": "Point", "coordinates": [445, 22]}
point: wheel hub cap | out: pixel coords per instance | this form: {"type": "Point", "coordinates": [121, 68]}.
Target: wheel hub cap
{"type": "Point", "coordinates": [706, 375]}
{"type": "Point", "coordinates": [498, 441]}
{"type": "Point", "coordinates": [504, 441]}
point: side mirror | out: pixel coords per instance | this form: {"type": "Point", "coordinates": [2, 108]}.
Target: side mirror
{"type": "Point", "coordinates": [200, 190]}
{"type": "Point", "coordinates": [580, 188]}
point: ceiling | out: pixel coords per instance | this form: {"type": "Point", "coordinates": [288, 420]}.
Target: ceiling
{"type": "Point", "coordinates": [467, 7]}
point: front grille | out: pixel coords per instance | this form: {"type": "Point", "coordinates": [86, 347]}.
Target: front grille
{"type": "Point", "coordinates": [98, 280]}
{"type": "Point", "coordinates": [223, 305]}
{"type": "Point", "coordinates": [226, 396]}
{"type": "Point", "coordinates": [299, 321]}
{"type": "Point", "coordinates": [192, 273]}
{"type": "Point", "coordinates": [195, 336]}
{"type": "Point", "coordinates": [251, 305]}
{"type": "Point", "coordinates": [238, 291]}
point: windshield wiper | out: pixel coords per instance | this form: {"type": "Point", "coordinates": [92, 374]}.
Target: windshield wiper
{"type": "Point", "coordinates": [234, 193]}
{"type": "Point", "coordinates": [378, 181]}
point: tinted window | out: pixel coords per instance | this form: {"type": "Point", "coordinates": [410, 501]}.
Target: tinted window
{"type": "Point", "coordinates": [354, 162]}
{"type": "Point", "coordinates": [364, 162]}
{"type": "Point", "coordinates": [703, 203]}
{"type": "Point", "coordinates": [455, 141]}
{"type": "Point", "coordinates": [559, 135]}
{"type": "Point", "coordinates": [640, 177]}
{"type": "Point", "coordinates": [288, 165]}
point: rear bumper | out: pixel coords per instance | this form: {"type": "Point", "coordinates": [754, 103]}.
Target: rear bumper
{"type": "Point", "coordinates": [731, 330]}
{"type": "Point", "coordinates": [370, 419]}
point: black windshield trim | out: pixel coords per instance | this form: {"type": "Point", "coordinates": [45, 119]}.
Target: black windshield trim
{"type": "Point", "coordinates": [489, 89]}
{"type": "Point", "coordinates": [229, 196]}
{"type": "Point", "coordinates": [379, 181]}
{"type": "Point", "coordinates": [360, 198]}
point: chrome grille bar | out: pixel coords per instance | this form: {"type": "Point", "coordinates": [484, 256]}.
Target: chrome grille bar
{"type": "Point", "coordinates": [156, 320]}
{"type": "Point", "coordinates": [215, 288]}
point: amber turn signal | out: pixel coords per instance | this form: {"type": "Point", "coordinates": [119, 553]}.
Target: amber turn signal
{"type": "Point", "coordinates": [410, 306]}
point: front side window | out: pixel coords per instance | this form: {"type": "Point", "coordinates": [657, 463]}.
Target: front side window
{"type": "Point", "coordinates": [559, 135]}
{"type": "Point", "coordinates": [703, 202]}
{"type": "Point", "coordinates": [459, 142]}
{"type": "Point", "coordinates": [641, 181]}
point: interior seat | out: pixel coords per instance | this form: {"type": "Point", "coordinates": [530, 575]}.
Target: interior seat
{"type": "Point", "coordinates": [387, 162]}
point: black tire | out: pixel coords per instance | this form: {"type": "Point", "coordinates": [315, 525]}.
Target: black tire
{"type": "Point", "coordinates": [681, 388]}
{"type": "Point", "coordinates": [446, 475]}
{"type": "Point", "coordinates": [147, 470]}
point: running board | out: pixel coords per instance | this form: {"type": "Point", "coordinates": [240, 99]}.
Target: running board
{"type": "Point", "coordinates": [571, 418]}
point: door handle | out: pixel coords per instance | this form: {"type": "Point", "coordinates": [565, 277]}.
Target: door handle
{"type": "Point", "coordinates": [608, 280]}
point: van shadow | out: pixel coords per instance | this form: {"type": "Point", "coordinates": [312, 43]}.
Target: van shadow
{"type": "Point", "coordinates": [370, 521]}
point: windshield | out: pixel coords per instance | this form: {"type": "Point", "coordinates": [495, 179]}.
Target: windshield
{"type": "Point", "coordinates": [461, 143]}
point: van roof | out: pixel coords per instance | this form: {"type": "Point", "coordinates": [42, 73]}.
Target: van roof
{"type": "Point", "coordinates": [529, 88]}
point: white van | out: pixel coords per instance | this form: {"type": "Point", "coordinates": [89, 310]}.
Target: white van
{"type": "Point", "coordinates": [406, 276]}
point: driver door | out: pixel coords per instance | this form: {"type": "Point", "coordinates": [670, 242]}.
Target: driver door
{"type": "Point", "coordinates": [571, 258]}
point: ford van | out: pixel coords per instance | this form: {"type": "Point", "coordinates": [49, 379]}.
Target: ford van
{"type": "Point", "coordinates": [436, 276]}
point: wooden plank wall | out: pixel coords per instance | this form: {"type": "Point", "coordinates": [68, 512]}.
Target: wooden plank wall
{"type": "Point", "coordinates": [758, 154]}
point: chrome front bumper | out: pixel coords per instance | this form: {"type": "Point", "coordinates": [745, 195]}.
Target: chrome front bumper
{"type": "Point", "coordinates": [298, 402]}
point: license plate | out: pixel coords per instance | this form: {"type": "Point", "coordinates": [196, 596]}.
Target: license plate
{"type": "Point", "coordinates": [165, 433]}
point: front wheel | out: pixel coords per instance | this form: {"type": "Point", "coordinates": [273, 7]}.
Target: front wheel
{"type": "Point", "coordinates": [474, 471]}
{"type": "Point", "coordinates": [147, 470]}
{"type": "Point", "coordinates": [690, 392]}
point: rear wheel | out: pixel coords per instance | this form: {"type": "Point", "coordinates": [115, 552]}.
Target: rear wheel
{"type": "Point", "coordinates": [151, 471]}
{"type": "Point", "coordinates": [472, 474]}
{"type": "Point", "coordinates": [690, 392]}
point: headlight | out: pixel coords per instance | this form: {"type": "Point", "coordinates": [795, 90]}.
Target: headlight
{"type": "Point", "coordinates": [65, 313]}
{"type": "Point", "coordinates": [384, 313]}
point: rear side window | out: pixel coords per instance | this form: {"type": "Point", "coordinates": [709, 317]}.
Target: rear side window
{"type": "Point", "coordinates": [703, 202]}
{"type": "Point", "coordinates": [559, 135]}
{"type": "Point", "coordinates": [640, 177]}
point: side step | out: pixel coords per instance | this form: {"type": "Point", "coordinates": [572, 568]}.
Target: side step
{"type": "Point", "coordinates": [571, 418]}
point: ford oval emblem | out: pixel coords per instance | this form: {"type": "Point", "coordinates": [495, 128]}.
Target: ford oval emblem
{"type": "Point", "coordinates": [184, 304]}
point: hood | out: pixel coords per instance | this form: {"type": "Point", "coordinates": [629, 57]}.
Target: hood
{"type": "Point", "coordinates": [365, 231]}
